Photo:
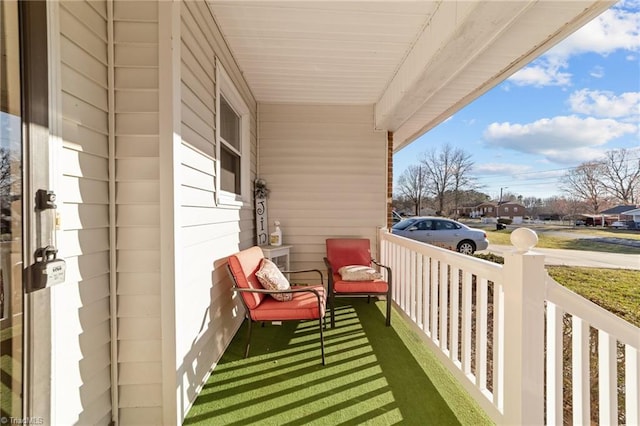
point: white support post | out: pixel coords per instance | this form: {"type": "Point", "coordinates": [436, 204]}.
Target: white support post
{"type": "Point", "coordinates": [524, 291]}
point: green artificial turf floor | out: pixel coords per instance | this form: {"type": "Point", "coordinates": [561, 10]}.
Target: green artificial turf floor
{"type": "Point", "coordinates": [374, 375]}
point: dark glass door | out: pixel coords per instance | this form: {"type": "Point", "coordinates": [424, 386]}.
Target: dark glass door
{"type": "Point", "coordinates": [11, 288]}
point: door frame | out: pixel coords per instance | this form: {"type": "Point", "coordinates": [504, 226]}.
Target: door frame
{"type": "Point", "coordinates": [38, 227]}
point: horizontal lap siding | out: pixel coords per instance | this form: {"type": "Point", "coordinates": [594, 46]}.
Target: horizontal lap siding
{"type": "Point", "coordinates": [81, 322]}
{"type": "Point", "coordinates": [326, 169]}
{"type": "Point", "coordinates": [206, 312]}
{"type": "Point", "coordinates": [137, 211]}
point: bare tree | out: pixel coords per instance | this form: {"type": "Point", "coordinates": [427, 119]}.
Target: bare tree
{"type": "Point", "coordinates": [448, 170]}
{"type": "Point", "coordinates": [621, 175]}
{"type": "Point", "coordinates": [6, 175]}
{"type": "Point", "coordinates": [461, 166]}
{"type": "Point", "coordinates": [412, 185]}
{"type": "Point", "coordinates": [585, 183]}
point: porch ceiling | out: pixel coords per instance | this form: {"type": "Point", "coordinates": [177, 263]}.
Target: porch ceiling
{"type": "Point", "coordinates": [417, 61]}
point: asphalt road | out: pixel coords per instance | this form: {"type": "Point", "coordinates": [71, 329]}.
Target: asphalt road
{"type": "Point", "coordinates": [594, 259]}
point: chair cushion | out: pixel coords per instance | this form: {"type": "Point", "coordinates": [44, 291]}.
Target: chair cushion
{"type": "Point", "coordinates": [341, 286]}
{"type": "Point", "coordinates": [359, 273]}
{"type": "Point", "coordinates": [303, 306]}
{"type": "Point", "coordinates": [348, 251]}
{"type": "Point", "coordinates": [243, 266]}
{"type": "Point", "coordinates": [272, 279]}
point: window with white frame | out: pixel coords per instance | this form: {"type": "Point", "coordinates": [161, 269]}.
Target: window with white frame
{"type": "Point", "coordinates": [233, 142]}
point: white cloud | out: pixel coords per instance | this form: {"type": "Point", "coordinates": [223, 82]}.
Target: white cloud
{"type": "Point", "coordinates": [562, 139]}
{"type": "Point", "coordinates": [500, 169]}
{"type": "Point", "coordinates": [606, 104]}
{"type": "Point", "coordinates": [541, 75]}
{"type": "Point", "coordinates": [614, 29]}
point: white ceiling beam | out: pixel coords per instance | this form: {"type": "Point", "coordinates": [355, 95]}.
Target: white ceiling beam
{"type": "Point", "coordinates": [457, 32]}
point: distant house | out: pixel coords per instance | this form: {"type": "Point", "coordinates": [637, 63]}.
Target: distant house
{"type": "Point", "coordinates": [486, 209]}
{"type": "Point", "coordinates": [620, 212]}
{"type": "Point", "coordinates": [514, 211]}
{"type": "Point", "coordinates": [511, 210]}
{"type": "Point", "coordinates": [633, 215]}
{"type": "Point", "coordinates": [464, 211]}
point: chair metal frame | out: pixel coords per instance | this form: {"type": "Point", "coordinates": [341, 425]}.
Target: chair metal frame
{"type": "Point", "coordinates": [247, 310]}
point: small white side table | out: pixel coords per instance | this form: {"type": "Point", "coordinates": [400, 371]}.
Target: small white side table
{"type": "Point", "coordinates": [278, 255]}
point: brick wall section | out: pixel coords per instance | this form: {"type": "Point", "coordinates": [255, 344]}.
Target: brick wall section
{"type": "Point", "coordinates": [389, 178]}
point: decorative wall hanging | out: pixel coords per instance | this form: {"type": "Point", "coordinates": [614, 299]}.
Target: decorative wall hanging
{"type": "Point", "coordinates": [261, 192]}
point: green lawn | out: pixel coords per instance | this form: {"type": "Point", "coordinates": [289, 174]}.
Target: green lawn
{"type": "Point", "coordinates": [616, 290]}
{"type": "Point", "coordinates": [554, 242]}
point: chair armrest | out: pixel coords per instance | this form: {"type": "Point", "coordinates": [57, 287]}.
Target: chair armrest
{"type": "Point", "coordinates": [380, 264]}
{"type": "Point", "coordinates": [389, 279]}
{"type": "Point", "coordinates": [306, 270]}
{"type": "Point", "coordinates": [291, 290]}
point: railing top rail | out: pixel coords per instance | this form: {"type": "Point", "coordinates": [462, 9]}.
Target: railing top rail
{"type": "Point", "coordinates": [483, 268]}
{"type": "Point", "coordinates": [593, 314]}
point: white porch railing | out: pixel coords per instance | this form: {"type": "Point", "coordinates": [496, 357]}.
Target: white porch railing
{"type": "Point", "coordinates": [519, 342]}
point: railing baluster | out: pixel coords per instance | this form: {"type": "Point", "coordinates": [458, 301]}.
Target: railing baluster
{"type": "Point", "coordinates": [426, 268]}
{"type": "Point", "coordinates": [395, 256]}
{"type": "Point", "coordinates": [580, 371]}
{"type": "Point", "coordinates": [435, 264]}
{"type": "Point", "coordinates": [481, 332]}
{"type": "Point", "coordinates": [455, 312]}
{"type": "Point", "coordinates": [466, 325]}
{"type": "Point", "coordinates": [444, 307]}
{"type": "Point", "coordinates": [554, 404]}
{"type": "Point", "coordinates": [414, 285]}
{"type": "Point", "coordinates": [607, 379]}
{"type": "Point", "coordinates": [632, 385]}
{"type": "Point", "coordinates": [419, 289]}
{"type": "Point", "coordinates": [498, 346]}
{"type": "Point", "coordinates": [407, 288]}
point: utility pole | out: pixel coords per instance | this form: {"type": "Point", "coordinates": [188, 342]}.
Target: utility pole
{"type": "Point", "coordinates": [500, 202]}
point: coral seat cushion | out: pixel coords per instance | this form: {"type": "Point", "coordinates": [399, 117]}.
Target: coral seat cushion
{"type": "Point", "coordinates": [340, 286]}
{"type": "Point", "coordinates": [303, 306]}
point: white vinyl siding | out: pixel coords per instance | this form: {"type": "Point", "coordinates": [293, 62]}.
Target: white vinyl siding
{"type": "Point", "coordinates": [81, 317]}
{"type": "Point", "coordinates": [207, 313]}
{"type": "Point", "coordinates": [326, 168]}
{"type": "Point", "coordinates": [208, 232]}
{"type": "Point", "coordinates": [137, 210]}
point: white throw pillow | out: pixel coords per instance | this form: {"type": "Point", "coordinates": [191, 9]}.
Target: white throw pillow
{"type": "Point", "coordinates": [272, 279]}
{"type": "Point", "coordinates": [359, 273]}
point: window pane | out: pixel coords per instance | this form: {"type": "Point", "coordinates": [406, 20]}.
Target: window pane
{"type": "Point", "coordinates": [229, 124]}
{"type": "Point", "coordinates": [229, 171]}
{"type": "Point", "coordinates": [11, 286]}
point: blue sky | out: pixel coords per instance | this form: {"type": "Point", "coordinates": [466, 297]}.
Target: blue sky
{"type": "Point", "coordinates": [577, 101]}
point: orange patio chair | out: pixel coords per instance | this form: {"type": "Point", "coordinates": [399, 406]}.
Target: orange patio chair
{"type": "Point", "coordinates": [357, 278]}
{"type": "Point", "coordinates": [307, 302]}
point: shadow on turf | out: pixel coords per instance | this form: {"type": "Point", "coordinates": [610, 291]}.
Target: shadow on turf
{"type": "Point", "coordinates": [283, 374]}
